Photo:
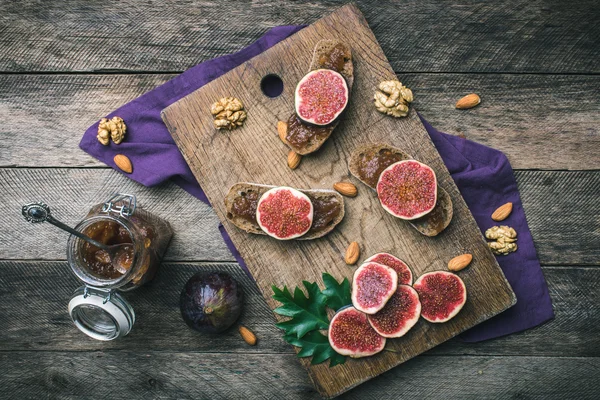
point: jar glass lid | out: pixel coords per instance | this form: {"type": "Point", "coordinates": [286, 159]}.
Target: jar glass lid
{"type": "Point", "coordinates": [101, 314]}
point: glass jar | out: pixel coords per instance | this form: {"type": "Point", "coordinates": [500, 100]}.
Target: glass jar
{"type": "Point", "coordinates": [97, 308]}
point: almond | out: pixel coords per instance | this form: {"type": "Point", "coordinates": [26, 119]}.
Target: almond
{"type": "Point", "coordinates": [248, 336]}
{"type": "Point", "coordinates": [293, 159]}
{"type": "Point", "coordinates": [124, 163]}
{"type": "Point", "coordinates": [459, 262]}
{"type": "Point", "coordinates": [502, 212]}
{"type": "Point", "coordinates": [346, 189]}
{"type": "Point", "coordinates": [469, 101]}
{"type": "Point", "coordinates": [282, 130]}
{"type": "Point", "coordinates": [352, 253]}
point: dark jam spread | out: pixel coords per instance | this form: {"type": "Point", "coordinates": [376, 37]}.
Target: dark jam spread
{"type": "Point", "coordinates": [97, 260]}
{"type": "Point", "coordinates": [245, 204]}
{"type": "Point", "coordinates": [335, 59]}
{"type": "Point", "coordinates": [325, 209]}
{"type": "Point", "coordinates": [300, 134]}
{"type": "Point", "coordinates": [370, 166]}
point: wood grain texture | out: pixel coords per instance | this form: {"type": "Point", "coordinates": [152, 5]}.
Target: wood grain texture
{"type": "Point", "coordinates": [419, 35]}
{"type": "Point", "coordinates": [253, 153]}
{"type": "Point", "coordinates": [276, 376]}
{"type": "Point", "coordinates": [519, 114]}
{"type": "Point", "coordinates": [561, 208]}
{"type": "Point", "coordinates": [581, 188]}
{"type": "Point", "coordinates": [575, 331]}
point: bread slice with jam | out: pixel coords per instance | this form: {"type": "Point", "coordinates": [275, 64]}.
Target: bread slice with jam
{"type": "Point", "coordinates": [368, 161]}
{"type": "Point", "coordinates": [242, 199]}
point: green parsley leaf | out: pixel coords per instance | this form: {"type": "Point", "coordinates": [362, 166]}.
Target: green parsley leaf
{"type": "Point", "coordinates": [306, 313]}
{"type": "Point", "coordinates": [338, 294]}
{"type": "Point", "coordinates": [317, 345]}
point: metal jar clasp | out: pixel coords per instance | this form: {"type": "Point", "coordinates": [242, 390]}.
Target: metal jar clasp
{"type": "Point", "coordinates": [125, 209]}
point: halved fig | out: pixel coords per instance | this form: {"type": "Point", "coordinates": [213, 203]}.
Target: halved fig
{"type": "Point", "coordinates": [407, 189]}
{"type": "Point", "coordinates": [442, 294]}
{"type": "Point", "coordinates": [284, 213]}
{"type": "Point", "coordinates": [405, 276]}
{"type": "Point", "coordinates": [321, 96]}
{"type": "Point", "coordinates": [372, 286]}
{"type": "Point", "coordinates": [401, 312]}
{"type": "Point", "coordinates": [350, 334]}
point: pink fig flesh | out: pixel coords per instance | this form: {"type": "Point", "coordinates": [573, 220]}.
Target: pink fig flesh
{"type": "Point", "coordinates": [321, 96]}
{"type": "Point", "coordinates": [284, 213]}
{"type": "Point", "coordinates": [407, 189]}
{"type": "Point", "coordinates": [372, 286]}
{"type": "Point", "coordinates": [405, 276]}
{"type": "Point", "coordinates": [400, 314]}
{"type": "Point", "coordinates": [442, 294]}
{"type": "Point", "coordinates": [350, 334]}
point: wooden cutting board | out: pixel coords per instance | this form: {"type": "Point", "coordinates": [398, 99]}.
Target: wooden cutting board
{"type": "Point", "coordinates": [254, 153]}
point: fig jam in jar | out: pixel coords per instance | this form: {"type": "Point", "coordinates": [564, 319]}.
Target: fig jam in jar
{"type": "Point", "coordinates": [97, 308]}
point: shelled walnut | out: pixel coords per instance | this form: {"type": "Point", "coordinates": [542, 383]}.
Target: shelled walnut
{"type": "Point", "coordinates": [113, 128]}
{"type": "Point", "coordinates": [392, 98]}
{"type": "Point", "coordinates": [228, 112]}
{"type": "Point", "coordinates": [504, 239]}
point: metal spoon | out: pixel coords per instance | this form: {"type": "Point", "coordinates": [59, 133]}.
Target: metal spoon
{"type": "Point", "coordinates": [40, 212]}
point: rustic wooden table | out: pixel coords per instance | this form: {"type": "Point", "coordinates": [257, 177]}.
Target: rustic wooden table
{"type": "Point", "coordinates": [64, 65]}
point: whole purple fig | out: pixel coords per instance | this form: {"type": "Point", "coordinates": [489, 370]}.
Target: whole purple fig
{"type": "Point", "coordinates": [211, 302]}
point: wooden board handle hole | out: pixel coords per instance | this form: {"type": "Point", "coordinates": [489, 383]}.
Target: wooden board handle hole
{"type": "Point", "coordinates": [271, 85]}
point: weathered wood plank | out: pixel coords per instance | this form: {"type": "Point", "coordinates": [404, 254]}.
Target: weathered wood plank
{"type": "Point", "coordinates": [34, 297]}
{"type": "Point", "coordinates": [507, 35]}
{"type": "Point", "coordinates": [279, 376]}
{"type": "Point", "coordinates": [561, 207]}
{"type": "Point", "coordinates": [563, 230]}
{"type": "Point", "coordinates": [519, 114]}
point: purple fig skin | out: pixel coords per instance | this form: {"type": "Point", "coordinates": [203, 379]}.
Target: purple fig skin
{"type": "Point", "coordinates": [211, 302]}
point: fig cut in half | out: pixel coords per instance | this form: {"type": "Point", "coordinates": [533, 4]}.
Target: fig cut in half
{"type": "Point", "coordinates": [400, 314]}
{"type": "Point", "coordinates": [350, 334]}
{"type": "Point", "coordinates": [407, 189]}
{"type": "Point", "coordinates": [321, 96]}
{"type": "Point", "coordinates": [284, 213]}
{"type": "Point", "coordinates": [372, 286]}
{"type": "Point", "coordinates": [442, 294]}
{"type": "Point", "coordinates": [405, 276]}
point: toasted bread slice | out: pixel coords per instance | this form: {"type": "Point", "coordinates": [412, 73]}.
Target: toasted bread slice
{"type": "Point", "coordinates": [255, 190]}
{"type": "Point", "coordinates": [361, 165]}
{"type": "Point", "coordinates": [322, 48]}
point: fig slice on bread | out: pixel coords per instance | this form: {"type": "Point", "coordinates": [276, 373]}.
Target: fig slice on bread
{"type": "Point", "coordinates": [301, 136]}
{"type": "Point", "coordinates": [242, 201]}
{"type": "Point", "coordinates": [284, 213]}
{"type": "Point", "coordinates": [368, 161]}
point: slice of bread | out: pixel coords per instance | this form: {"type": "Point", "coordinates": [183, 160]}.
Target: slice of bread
{"type": "Point", "coordinates": [321, 48]}
{"type": "Point", "coordinates": [324, 47]}
{"type": "Point", "coordinates": [429, 225]}
{"type": "Point", "coordinates": [243, 188]}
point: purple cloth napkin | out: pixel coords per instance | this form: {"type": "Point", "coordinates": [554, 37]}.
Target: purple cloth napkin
{"type": "Point", "coordinates": [483, 175]}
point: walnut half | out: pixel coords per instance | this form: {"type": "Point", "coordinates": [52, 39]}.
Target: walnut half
{"type": "Point", "coordinates": [113, 128]}
{"type": "Point", "coordinates": [392, 98]}
{"type": "Point", "coordinates": [504, 239]}
{"type": "Point", "coordinates": [228, 112]}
